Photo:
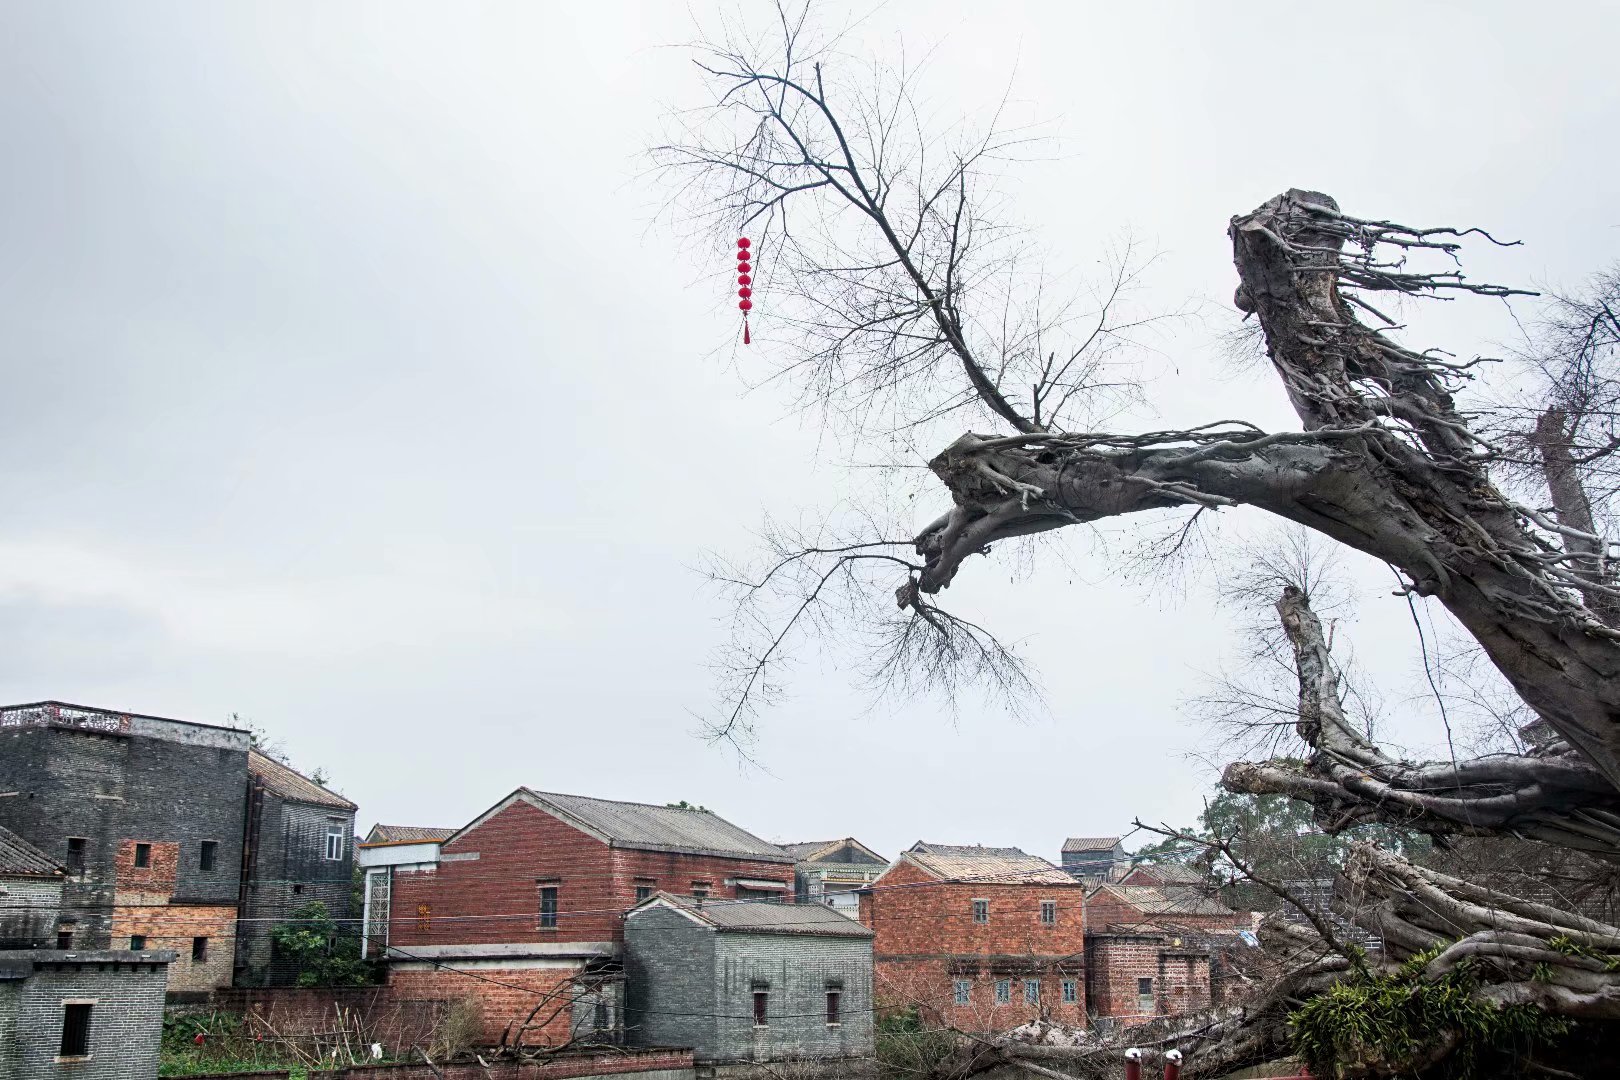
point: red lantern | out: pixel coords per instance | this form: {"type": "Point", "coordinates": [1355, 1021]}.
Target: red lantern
{"type": "Point", "coordinates": [742, 243]}
{"type": "Point", "coordinates": [745, 305]}
{"type": "Point", "coordinates": [745, 292]}
{"type": "Point", "coordinates": [745, 280]}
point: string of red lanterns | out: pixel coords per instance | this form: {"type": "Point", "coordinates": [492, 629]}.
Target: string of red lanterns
{"type": "Point", "coordinates": [744, 280]}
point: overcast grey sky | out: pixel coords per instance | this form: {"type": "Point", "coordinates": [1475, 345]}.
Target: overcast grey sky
{"type": "Point", "coordinates": [351, 387]}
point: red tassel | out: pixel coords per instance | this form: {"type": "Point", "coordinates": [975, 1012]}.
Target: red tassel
{"type": "Point", "coordinates": [746, 338]}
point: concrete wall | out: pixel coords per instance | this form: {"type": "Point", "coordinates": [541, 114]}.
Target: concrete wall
{"type": "Point", "coordinates": [28, 908]}
{"type": "Point", "coordinates": [125, 1029]}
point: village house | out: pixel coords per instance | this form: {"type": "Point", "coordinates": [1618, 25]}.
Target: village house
{"type": "Point", "coordinates": [832, 871]}
{"type": "Point", "coordinates": [1157, 943]}
{"type": "Point", "coordinates": [1094, 860]}
{"type": "Point", "coordinates": [979, 938]}
{"type": "Point", "coordinates": [388, 850]}
{"type": "Point", "coordinates": [171, 833]}
{"type": "Point", "coordinates": [86, 1014]}
{"type": "Point", "coordinates": [746, 980]}
{"type": "Point", "coordinates": [523, 909]}
{"type": "Point", "coordinates": [30, 894]}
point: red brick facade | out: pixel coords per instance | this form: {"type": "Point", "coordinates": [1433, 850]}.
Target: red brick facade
{"type": "Point", "coordinates": [486, 887]}
{"type": "Point", "coordinates": [927, 941]}
{"type": "Point", "coordinates": [1138, 976]}
{"type": "Point", "coordinates": [505, 996]}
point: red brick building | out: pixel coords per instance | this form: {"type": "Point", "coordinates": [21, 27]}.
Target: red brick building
{"type": "Point", "coordinates": [981, 939]}
{"type": "Point", "coordinates": [1156, 944]}
{"type": "Point", "coordinates": [523, 908]}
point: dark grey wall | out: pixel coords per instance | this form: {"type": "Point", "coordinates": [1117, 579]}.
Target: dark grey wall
{"type": "Point", "coordinates": [126, 1023]}
{"type": "Point", "coordinates": [669, 981]}
{"type": "Point", "coordinates": [290, 869]}
{"type": "Point", "coordinates": [28, 909]}
{"type": "Point", "coordinates": [176, 783]}
{"type": "Point", "coordinates": [690, 986]}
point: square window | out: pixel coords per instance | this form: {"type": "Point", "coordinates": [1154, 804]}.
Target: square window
{"type": "Point", "coordinates": [209, 855]}
{"type": "Point", "coordinates": [1071, 992]}
{"type": "Point", "coordinates": [335, 845]}
{"type": "Point", "coordinates": [199, 950]}
{"type": "Point", "coordinates": [1048, 912]}
{"type": "Point", "coordinates": [1003, 991]}
{"type": "Point", "coordinates": [75, 1030]}
{"type": "Point", "coordinates": [64, 939]}
{"type": "Point", "coordinates": [1144, 987]}
{"type": "Point", "coordinates": [964, 992]}
{"type": "Point", "coordinates": [643, 892]}
{"type": "Point", "coordinates": [761, 1007]}
{"type": "Point", "coordinates": [700, 892]}
{"type": "Point", "coordinates": [137, 942]}
{"type": "Point", "coordinates": [548, 907]}
{"type": "Point", "coordinates": [833, 1000]}
{"type": "Point", "coordinates": [143, 855]}
{"type": "Point", "coordinates": [981, 911]}
{"type": "Point", "coordinates": [1032, 992]}
{"type": "Point", "coordinates": [75, 854]}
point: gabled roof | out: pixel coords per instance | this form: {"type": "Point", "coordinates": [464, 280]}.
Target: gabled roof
{"type": "Point", "coordinates": [1091, 843]}
{"type": "Point", "coordinates": [406, 834]}
{"type": "Point", "coordinates": [1169, 873]}
{"type": "Point", "coordinates": [992, 866]}
{"type": "Point", "coordinates": [19, 858]}
{"type": "Point", "coordinates": [646, 827]}
{"type": "Point", "coordinates": [760, 916]}
{"type": "Point", "coordinates": [1161, 900]}
{"type": "Point", "coordinates": [291, 784]}
{"type": "Point", "coordinates": [821, 850]}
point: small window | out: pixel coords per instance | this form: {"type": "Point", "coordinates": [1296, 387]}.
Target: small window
{"type": "Point", "coordinates": [1071, 992]}
{"type": "Point", "coordinates": [209, 855]}
{"type": "Point", "coordinates": [548, 907]}
{"type": "Point", "coordinates": [599, 1019]}
{"type": "Point", "coordinates": [964, 992]}
{"type": "Point", "coordinates": [700, 892]}
{"type": "Point", "coordinates": [981, 911]}
{"type": "Point", "coordinates": [1144, 997]}
{"type": "Point", "coordinates": [298, 888]}
{"type": "Point", "coordinates": [334, 845]}
{"type": "Point", "coordinates": [645, 887]}
{"type": "Point", "coordinates": [1032, 992]}
{"type": "Point", "coordinates": [143, 856]}
{"type": "Point", "coordinates": [1048, 912]}
{"type": "Point", "coordinates": [64, 939]}
{"type": "Point", "coordinates": [1003, 991]}
{"type": "Point", "coordinates": [199, 950]}
{"type": "Point", "coordinates": [75, 1030]}
{"type": "Point", "coordinates": [137, 942]}
{"type": "Point", "coordinates": [75, 854]}
{"type": "Point", "coordinates": [761, 998]}
{"type": "Point", "coordinates": [833, 997]}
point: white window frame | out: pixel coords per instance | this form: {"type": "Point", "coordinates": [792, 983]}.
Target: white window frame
{"type": "Point", "coordinates": [981, 910]}
{"type": "Point", "coordinates": [335, 852]}
{"type": "Point", "coordinates": [1071, 991]}
{"type": "Point", "coordinates": [963, 992]}
{"type": "Point", "coordinates": [1003, 991]}
{"type": "Point", "coordinates": [1048, 907]}
{"type": "Point", "coordinates": [1032, 991]}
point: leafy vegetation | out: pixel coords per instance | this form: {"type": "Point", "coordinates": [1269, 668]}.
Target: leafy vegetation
{"type": "Point", "coordinates": [322, 953]}
{"type": "Point", "coordinates": [1397, 1021]}
{"type": "Point", "coordinates": [220, 1042]}
{"type": "Point", "coordinates": [906, 1047]}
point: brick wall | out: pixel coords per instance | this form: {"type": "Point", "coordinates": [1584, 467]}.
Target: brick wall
{"type": "Point", "coordinates": [505, 995]}
{"type": "Point", "coordinates": [485, 888]}
{"type": "Point", "coordinates": [28, 910]}
{"type": "Point", "coordinates": [126, 1020]}
{"type": "Point", "coordinates": [176, 927]}
{"type": "Point", "coordinates": [290, 869]}
{"type": "Point", "coordinates": [926, 940]}
{"type": "Point", "coordinates": [300, 1012]}
{"type": "Point", "coordinates": [1179, 978]}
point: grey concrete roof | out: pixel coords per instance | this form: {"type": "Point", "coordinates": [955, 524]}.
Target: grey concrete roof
{"type": "Point", "coordinates": [764, 917]}
{"type": "Point", "coordinates": [291, 784]}
{"type": "Point", "coordinates": [1169, 900]}
{"type": "Point", "coordinates": [644, 826]}
{"type": "Point", "coordinates": [1091, 843]}
{"type": "Point", "coordinates": [19, 858]}
{"type": "Point", "coordinates": [992, 866]}
{"type": "Point", "coordinates": [406, 834]}
{"type": "Point", "coordinates": [820, 850]}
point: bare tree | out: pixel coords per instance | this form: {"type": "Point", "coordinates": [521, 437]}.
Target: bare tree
{"type": "Point", "coordinates": [905, 308]}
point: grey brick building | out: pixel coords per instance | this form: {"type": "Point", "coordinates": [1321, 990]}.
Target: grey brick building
{"type": "Point", "coordinates": [30, 894]}
{"type": "Point", "coordinates": [173, 834]}
{"type": "Point", "coordinates": [88, 1015]}
{"type": "Point", "coordinates": [300, 849]}
{"type": "Point", "coordinates": [748, 980]}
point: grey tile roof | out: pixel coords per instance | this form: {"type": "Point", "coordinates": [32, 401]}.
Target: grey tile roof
{"type": "Point", "coordinates": [291, 784]}
{"type": "Point", "coordinates": [406, 834]}
{"type": "Point", "coordinates": [1172, 873]}
{"type": "Point", "coordinates": [853, 850]}
{"type": "Point", "coordinates": [1169, 900]}
{"type": "Point", "coordinates": [647, 827]}
{"type": "Point", "coordinates": [1091, 843]}
{"type": "Point", "coordinates": [769, 917]}
{"type": "Point", "coordinates": [19, 858]}
{"type": "Point", "coordinates": [992, 866]}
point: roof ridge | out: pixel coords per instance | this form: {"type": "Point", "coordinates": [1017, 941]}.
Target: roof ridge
{"type": "Point", "coordinates": [621, 802]}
